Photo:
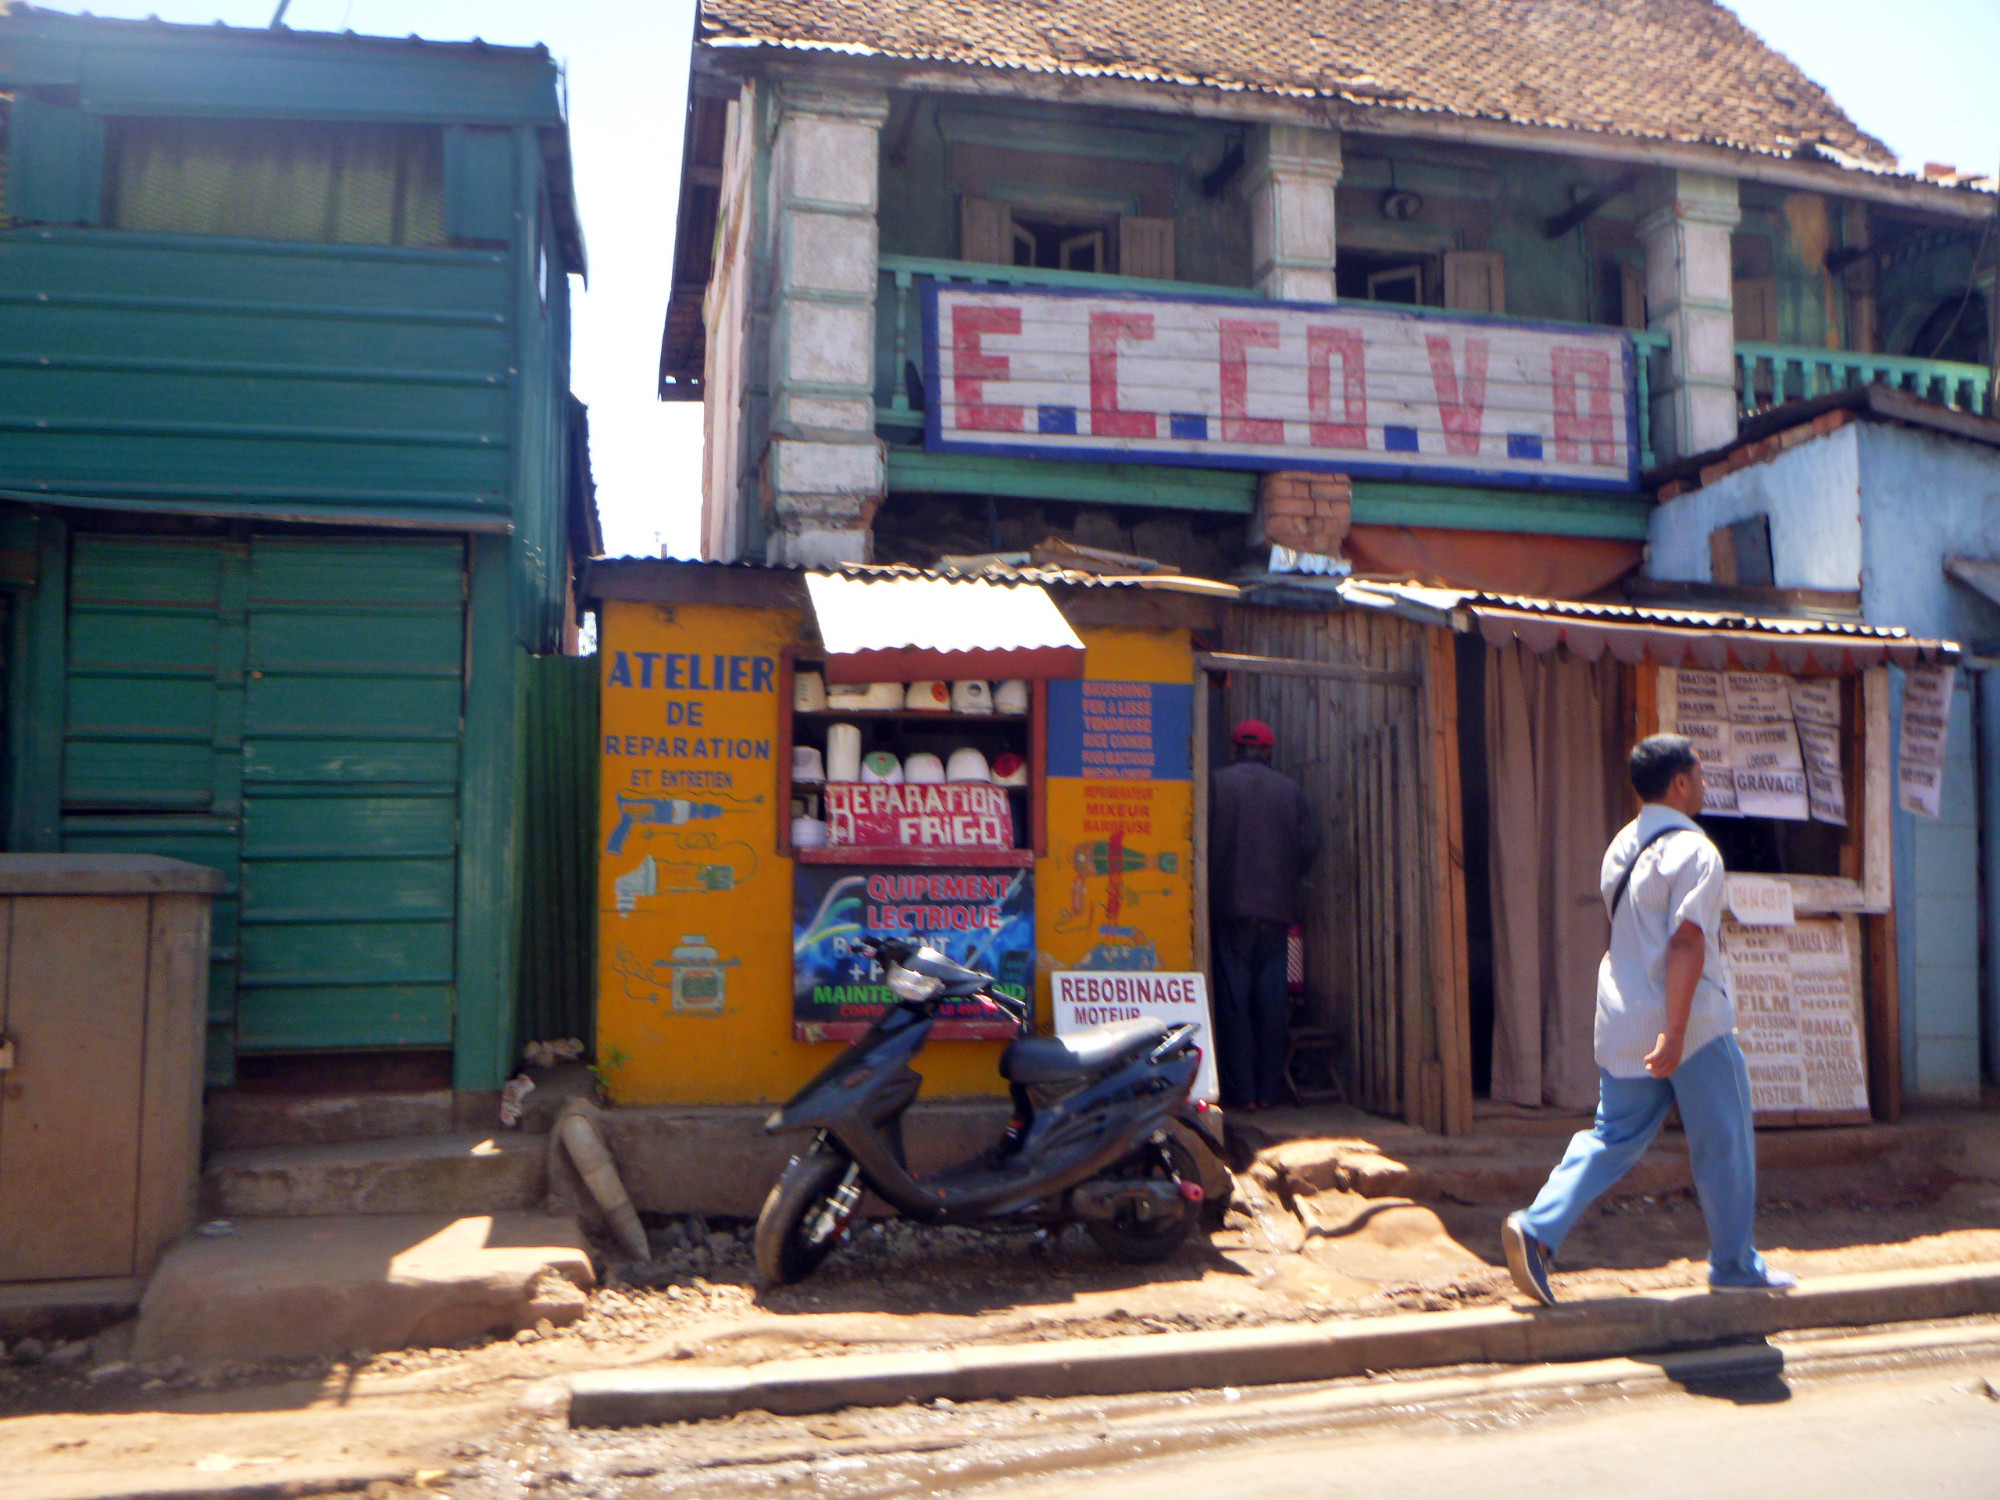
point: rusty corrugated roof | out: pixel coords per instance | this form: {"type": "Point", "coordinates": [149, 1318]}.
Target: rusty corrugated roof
{"type": "Point", "coordinates": [1713, 640]}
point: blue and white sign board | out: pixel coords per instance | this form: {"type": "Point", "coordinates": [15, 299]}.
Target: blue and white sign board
{"type": "Point", "coordinates": [1278, 385]}
{"type": "Point", "coordinates": [1085, 998]}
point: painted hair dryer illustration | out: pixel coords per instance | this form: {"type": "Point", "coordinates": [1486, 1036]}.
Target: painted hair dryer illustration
{"type": "Point", "coordinates": [661, 812]}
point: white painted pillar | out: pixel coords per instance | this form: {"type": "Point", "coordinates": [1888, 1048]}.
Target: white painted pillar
{"type": "Point", "coordinates": [1289, 181]}
{"type": "Point", "coordinates": [824, 470]}
{"type": "Point", "coordinates": [1685, 225]}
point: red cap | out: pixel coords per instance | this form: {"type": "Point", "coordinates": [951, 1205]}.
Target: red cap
{"type": "Point", "coordinates": [1254, 732]}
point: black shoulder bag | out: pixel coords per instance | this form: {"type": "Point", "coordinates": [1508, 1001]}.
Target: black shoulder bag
{"type": "Point", "coordinates": [1626, 879]}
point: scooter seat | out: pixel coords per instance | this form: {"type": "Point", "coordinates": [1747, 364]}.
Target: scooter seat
{"type": "Point", "coordinates": [1056, 1059]}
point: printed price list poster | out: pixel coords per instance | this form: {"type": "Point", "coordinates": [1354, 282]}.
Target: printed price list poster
{"type": "Point", "coordinates": [1769, 744]}
{"type": "Point", "coordinates": [1799, 1015]}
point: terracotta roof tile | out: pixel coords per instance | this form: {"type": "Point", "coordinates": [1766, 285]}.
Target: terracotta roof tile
{"type": "Point", "coordinates": [1683, 70]}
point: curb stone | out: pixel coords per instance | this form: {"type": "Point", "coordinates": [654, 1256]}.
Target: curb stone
{"type": "Point", "coordinates": [351, 1483]}
{"type": "Point", "coordinates": [1288, 1354]}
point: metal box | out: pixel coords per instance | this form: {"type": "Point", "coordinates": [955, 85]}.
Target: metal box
{"type": "Point", "coordinates": [103, 1010]}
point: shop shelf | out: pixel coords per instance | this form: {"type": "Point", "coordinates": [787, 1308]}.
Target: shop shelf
{"type": "Point", "coordinates": [896, 854]}
{"type": "Point", "coordinates": [909, 714]}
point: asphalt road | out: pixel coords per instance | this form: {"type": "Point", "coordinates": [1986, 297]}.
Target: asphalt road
{"type": "Point", "coordinates": [1931, 1433]}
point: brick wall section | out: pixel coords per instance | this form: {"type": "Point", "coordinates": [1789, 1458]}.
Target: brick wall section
{"type": "Point", "coordinates": [1760, 452]}
{"type": "Point", "coordinates": [1306, 512]}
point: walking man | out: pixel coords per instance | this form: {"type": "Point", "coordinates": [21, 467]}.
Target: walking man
{"type": "Point", "coordinates": [1665, 1034]}
{"type": "Point", "coordinates": [1262, 839]}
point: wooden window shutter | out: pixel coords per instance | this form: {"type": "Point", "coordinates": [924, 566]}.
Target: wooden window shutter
{"type": "Point", "coordinates": [985, 231]}
{"type": "Point", "coordinates": [1756, 306]}
{"type": "Point", "coordinates": [1632, 295]}
{"type": "Point", "coordinates": [1475, 281]}
{"type": "Point", "coordinates": [1146, 247]}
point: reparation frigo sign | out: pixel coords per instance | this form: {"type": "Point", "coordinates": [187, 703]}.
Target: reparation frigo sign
{"type": "Point", "coordinates": [958, 815]}
{"type": "Point", "coordinates": [1239, 383]}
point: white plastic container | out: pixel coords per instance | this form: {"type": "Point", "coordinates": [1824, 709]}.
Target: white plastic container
{"type": "Point", "coordinates": [967, 764]}
{"type": "Point", "coordinates": [864, 697]}
{"type": "Point", "coordinates": [881, 768]}
{"type": "Point", "coordinates": [971, 697]}
{"type": "Point", "coordinates": [843, 752]}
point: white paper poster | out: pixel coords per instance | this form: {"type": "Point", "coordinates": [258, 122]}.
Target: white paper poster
{"type": "Point", "coordinates": [1926, 724]}
{"type": "Point", "coordinates": [1798, 1015]}
{"type": "Point", "coordinates": [1759, 900]}
{"type": "Point", "coordinates": [1769, 744]}
{"type": "Point", "coordinates": [1767, 1023]}
{"type": "Point", "coordinates": [1091, 998]}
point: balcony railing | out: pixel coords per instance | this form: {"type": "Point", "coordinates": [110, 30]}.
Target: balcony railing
{"type": "Point", "coordinates": [1770, 374]}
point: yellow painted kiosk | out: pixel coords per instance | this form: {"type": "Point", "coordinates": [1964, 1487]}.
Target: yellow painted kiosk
{"type": "Point", "coordinates": [1004, 763]}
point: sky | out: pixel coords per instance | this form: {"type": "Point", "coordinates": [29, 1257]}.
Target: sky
{"type": "Point", "coordinates": [1920, 74]}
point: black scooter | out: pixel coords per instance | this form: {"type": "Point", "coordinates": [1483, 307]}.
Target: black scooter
{"type": "Point", "coordinates": [1088, 1140]}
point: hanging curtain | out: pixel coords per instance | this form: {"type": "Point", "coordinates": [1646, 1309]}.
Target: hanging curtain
{"type": "Point", "coordinates": [332, 184]}
{"type": "Point", "coordinates": [1554, 726]}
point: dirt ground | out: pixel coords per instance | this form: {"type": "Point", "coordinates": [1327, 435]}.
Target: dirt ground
{"type": "Point", "coordinates": [80, 1422]}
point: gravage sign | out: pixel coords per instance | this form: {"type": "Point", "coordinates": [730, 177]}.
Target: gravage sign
{"type": "Point", "coordinates": [1277, 385]}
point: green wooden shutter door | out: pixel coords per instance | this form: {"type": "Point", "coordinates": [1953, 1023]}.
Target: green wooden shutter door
{"type": "Point", "coordinates": [287, 711]}
{"type": "Point", "coordinates": [350, 765]}
{"type": "Point", "coordinates": [152, 750]}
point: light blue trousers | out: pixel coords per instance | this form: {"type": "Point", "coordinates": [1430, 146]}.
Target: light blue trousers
{"type": "Point", "coordinates": [1713, 1090]}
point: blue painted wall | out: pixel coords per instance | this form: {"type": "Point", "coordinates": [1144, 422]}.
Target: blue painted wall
{"type": "Point", "coordinates": [1812, 495]}
{"type": "Point", "coordinates": [1926, 498]}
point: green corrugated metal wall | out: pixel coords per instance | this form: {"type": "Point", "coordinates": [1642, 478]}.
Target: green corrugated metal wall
{"type": "Point", "coordinates": [290, 716]}
{"type": "Point", "coordinates": [559, 849]}
{"type": "Point", "coordinates": [288, 711]}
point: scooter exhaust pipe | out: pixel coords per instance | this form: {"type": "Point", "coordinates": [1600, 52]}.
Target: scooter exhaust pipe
{"type": "Point", "coordinates": [1147, 1201]}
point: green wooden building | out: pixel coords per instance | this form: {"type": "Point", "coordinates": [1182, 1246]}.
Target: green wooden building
{"type": "Point", "coordinates": [290, 487]}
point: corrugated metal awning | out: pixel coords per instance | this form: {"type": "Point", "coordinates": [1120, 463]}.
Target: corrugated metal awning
{"type": "Point", "coordinates": [1666, 637]}
{"type": "Point", "coordinates": [908, 629]}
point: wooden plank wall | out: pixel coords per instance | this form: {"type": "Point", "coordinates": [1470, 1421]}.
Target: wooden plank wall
{"type": "Point", "coordinates": [1378, 761]}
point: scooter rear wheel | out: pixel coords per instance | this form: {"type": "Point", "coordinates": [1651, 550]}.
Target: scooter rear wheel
{"type": "Point", "coordinates": [793, 1234]}
{"type": "Point", "coordinates": [1140, 1243]}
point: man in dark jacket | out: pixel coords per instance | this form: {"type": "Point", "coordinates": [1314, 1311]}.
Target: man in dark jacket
{"type": "Point", "coordinates": [1261, 841]}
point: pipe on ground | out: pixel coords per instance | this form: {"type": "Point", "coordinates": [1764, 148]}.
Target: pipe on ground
{"type": "Point", "coordinates": [586, 1148]}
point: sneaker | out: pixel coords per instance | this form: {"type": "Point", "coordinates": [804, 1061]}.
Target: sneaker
{"type": "Point", "coordinates": [1773, 1281]}
{"type": "Point", "coordinates": [1527, 1259]}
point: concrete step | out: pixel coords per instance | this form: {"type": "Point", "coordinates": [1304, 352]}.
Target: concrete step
{"type": "Point", "coordinates": [294, 1288]}
{"type": "Point", "coordinates": [234, 1121]}
{"type": "Point", "coordinates": [1893, 1160]}
{"type": "Point", "coordinates": [467, 1172]}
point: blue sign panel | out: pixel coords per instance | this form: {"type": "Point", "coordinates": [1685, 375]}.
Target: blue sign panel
{"type": "Point", "coordinates": [984, 918]}
{"type": "Point", "coordinates": [1121, 731]}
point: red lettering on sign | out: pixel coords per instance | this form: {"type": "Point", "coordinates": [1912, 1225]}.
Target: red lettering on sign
{"type": "Point", "coordinates": [1462, 409]}
{"type": "Point", "coordinates": [1322, 345]}
{"type": "Point", "coordinates": [972, 366]}
{"type": "Point", "coordinates": [1107, 331]}
{"type": "Point", "coordinates": [1239, 334]}
{"type": "Point", "coordinates": [1571, 367]}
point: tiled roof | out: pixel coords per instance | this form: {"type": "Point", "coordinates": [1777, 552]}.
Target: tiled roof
{"type": "Point", "coordinates": [1680, 70]}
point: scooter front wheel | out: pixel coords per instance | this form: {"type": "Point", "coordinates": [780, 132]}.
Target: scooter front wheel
{"type": "Point", "coordinates": [805, 1215]}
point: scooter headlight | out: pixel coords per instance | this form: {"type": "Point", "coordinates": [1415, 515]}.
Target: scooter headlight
{"type": "Point", "coordinates": [909, 984]}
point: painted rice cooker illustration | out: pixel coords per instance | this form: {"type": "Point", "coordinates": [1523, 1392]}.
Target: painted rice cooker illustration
{"type": "Point", "coordinates": [700, 978]}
